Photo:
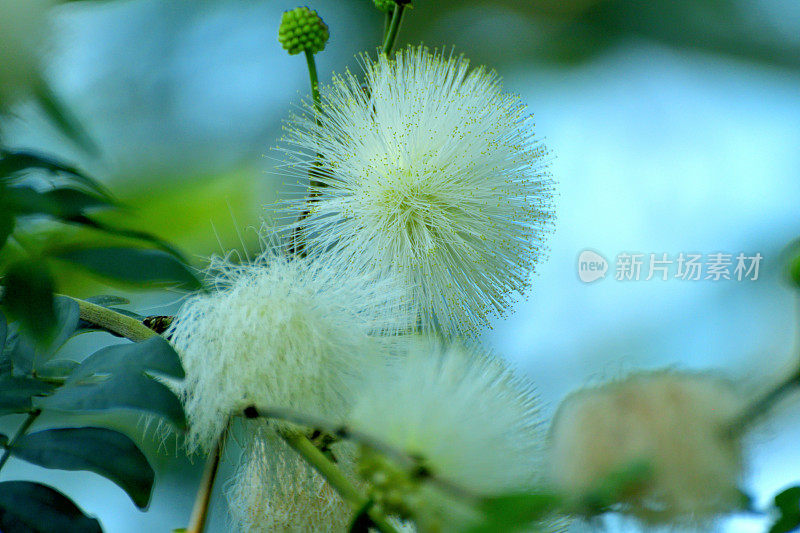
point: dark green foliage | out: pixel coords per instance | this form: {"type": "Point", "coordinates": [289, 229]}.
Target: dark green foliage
{"type": "Point", "coordinates": [103, 451]}
{"type": "Point", "coordinates": [17, 393]}
{"type": "Point", "coordinates": [788, 504]}
{"type": "Point", "coordinates": [27, 507]}
{"type": "Point", "coordinates": [515, 512]}
{"type": "Point", "coordinates": [27, 284]}
{"type": "Point", "coordinates": [28, 297]}
{"type": "Point", "coordinates": [118, 377]}
{"type": "Point", "coordinates": [28, 355]}
{"type": "Point", "coordinates": [133, 265]}
{"type": "Point", "coordinates": [16, 162]}
{"type": "Point", "coordinates": [6, 220]}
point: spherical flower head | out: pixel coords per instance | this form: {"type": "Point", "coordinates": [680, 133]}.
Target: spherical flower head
{"type": "Point", "coordinates": [430, 171]}
{"type": "Point", "coordinates": [302, 30]}
{"type": "Point", "coordinates": [673, 422]}
{"type": "Point", "coordinates": [463, 412]}
{"type": "Point", "coordinates": [274, 489]}
{"type": "Point", "coordinates": [279, 332]}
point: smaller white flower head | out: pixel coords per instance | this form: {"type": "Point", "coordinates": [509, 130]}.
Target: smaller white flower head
{"type": "Point", "coordinates": [471, 420]}
{"type": "Point", "coordinates": [673, 421]}
{"type": "Point", "coordinates": [274, 489]}
{"type": "Point", "coordinates": [279, 332]}
{"type": "Point", "coordinates": [432, 171]}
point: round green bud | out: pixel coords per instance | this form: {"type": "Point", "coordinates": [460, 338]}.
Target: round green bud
{"type": "Point", "coordinates": [302, 30]}
{"type": "Point", "coordinates": [387, 6]}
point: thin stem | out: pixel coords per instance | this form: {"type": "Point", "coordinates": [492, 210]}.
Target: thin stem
{"type": "Point", "coordinates": [763, 405]}
{"type": "Point", "coordinates": [297, 243]}
{"type": "Point", "coordinates": [197, 523]}
{"type": "Point", "coordinates": [413, 464]}
{"type": "Point", "coordinates": [394, 27]}
{"type": "Point", "coordinates": [335, 478]}
{"type": "Point", "coordinates": [110, 320]}
{"type": "Point", "coordinates": [32, 416]}
{"type": "Point", "coordinates": [312, 74]}
{"type": "Point", "coordinates": [387, 21]}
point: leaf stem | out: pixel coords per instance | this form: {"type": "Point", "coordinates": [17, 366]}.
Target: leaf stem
{"type": "Point", "coordinates": [394, 27]}
{"type": "Point", "coordinates": [334, 476]}
{"type": "Point", "coordinates": [32, 416]}
{"type": "Point", "coordinates": [110, 320]}
{"type": "Point", "coordinates": [197, 523]}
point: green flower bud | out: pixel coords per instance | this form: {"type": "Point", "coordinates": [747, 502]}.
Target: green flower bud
{"type": "Point", "coordinates": [302, 30]}
{"type": "Point", "coordinates": [387, 6]}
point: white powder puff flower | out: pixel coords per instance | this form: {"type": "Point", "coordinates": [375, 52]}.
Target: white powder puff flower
{"type": "Point", "coordinates": [675, 422]}
{"type": "Point", "coordinates": [274, 489]}
{"type": "Point", "coordinates": [430, 171]}
{"type": "Point", "coordinates": [280, 332]}
{"type": "Point", "coordinates": [472, 421]}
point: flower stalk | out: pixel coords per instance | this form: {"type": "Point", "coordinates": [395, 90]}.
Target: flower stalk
{"type": "Point", "coordinates": [394, 28]}
{"type": "Point", "coordinates": [306, 449]}
{"type": "Point", "coordinates": [202, 502]}
{"type": "Point", "coordinates": [110, 320]}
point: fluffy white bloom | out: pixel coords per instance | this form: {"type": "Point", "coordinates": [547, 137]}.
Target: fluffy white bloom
{"type": "Point", "coordinates": [463, 412]}
{"type": "Point", "coordinates": [275, 490]}
{"type": "Point", "coordinates": [430, 170]}
{"type": "Point", "coordinates": [673, 421]}
{"type": "Point", "coordinates": [280, 332]}
{"type": "Point", "coordinates": [23, 27]}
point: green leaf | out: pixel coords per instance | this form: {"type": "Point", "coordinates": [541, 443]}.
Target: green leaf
{"type": "Point", "coordinates": [63, 203]}
{"type": "Point", "coordinates": [6, 222]}
{"type": "Point", "coordinates": [28, 298]}
{"type": "Point", "coordinates": [28, 507]}
{"type": "Point", "coordinates": [154, 355]}
{"type": "Point", "coordinates": [616, 485]}
{"type": "Point", "coordinates": [58, 369]}
{"type": "Point", "coordinates": [15, 161]}
{"type": "Point", "coordinates": [513, 512]}
{"type": "Point", "coordinates": [17, 393]}
{"type": "Point", "coordinates": [118, 377]}
{"type": "Point", "coordinates": [28, 356]}
{"type": "Point", "coordinates": [108, 300]}
{"type": "Point", "coordinates": [3, 331]}
{"type": "Point", "coordinates": [62, 118]}
{"type": "Point", "coordinates": [102, 451]}
{"type": "Point", "coordinates": [129, 234]}
{"type": "Point", "coordinates": [135, 391]}
{"type": "Point", "coordinates": [794, 270]}
{"type": "Point", "coordinates": [788, 503]}
{"type": "Point", "coordinates": [133, 265]}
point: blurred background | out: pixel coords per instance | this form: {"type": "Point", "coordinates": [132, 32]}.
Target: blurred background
{"type": "Point", "coordinates": [673, 126]}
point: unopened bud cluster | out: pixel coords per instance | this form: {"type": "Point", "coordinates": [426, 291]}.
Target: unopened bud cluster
{"type": "Point", "coordinates": [385, 5]}
{"type": "Point", "coordinates": [302, 30]}
{"type": "Point", "coordinates": [392, 488]}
